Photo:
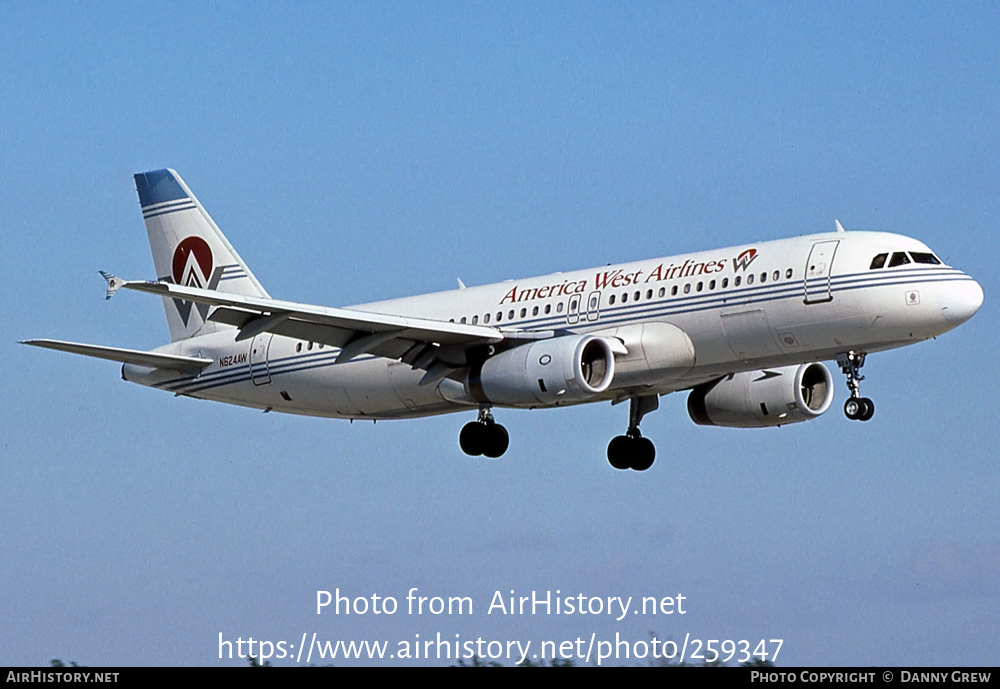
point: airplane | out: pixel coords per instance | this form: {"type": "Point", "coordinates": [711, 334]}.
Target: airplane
{"type": "Point", "coordinates": [743, 329]}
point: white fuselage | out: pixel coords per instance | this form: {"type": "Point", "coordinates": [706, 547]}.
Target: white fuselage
{"type": "Point", "coordinates": [768, 304]}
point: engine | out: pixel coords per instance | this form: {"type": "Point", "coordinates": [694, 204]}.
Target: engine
{"type": "Point", "coordinates": [572, 368]}
{"type": "Point", "coordinates": [758, 399]}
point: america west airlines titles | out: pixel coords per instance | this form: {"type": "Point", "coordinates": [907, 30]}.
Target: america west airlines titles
{"type": "Point", "coordinates": [618, 278]}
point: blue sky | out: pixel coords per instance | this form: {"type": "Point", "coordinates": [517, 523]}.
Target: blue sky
{"type": "Point", "coordinates": [354, 152]}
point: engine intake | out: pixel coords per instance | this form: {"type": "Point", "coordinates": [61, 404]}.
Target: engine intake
{"type": "Point", "coordinates": [758, 399]}
{"type": "Point", "coordinates": [572, 368]}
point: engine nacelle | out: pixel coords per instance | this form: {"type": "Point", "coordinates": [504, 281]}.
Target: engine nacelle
{"type": "Point", "coordinates": [654, 353]}
{"type": "Point", "coordinates": [572, 368]}
{"type": "Point", "coordinates": [758, 399]}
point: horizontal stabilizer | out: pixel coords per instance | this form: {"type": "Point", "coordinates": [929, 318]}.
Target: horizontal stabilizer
{"type": "Point", "coordinates": [114, 284]}
{"type": "Point", "coordinates": [126, 356]}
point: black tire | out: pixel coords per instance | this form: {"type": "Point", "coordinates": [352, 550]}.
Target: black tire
{"type": "Point", "coordinates": [620, 452]}
{"type": "Point", "coordinates": [643, 453]}
{"type": "Point", "coordinates": [473, 438]}
{"type": "Point", "coordinates": [868, 411]}
{"type": "Point", "coordinates": [853, 408]}
{"type": "Point", "coordinates": [497, 440]}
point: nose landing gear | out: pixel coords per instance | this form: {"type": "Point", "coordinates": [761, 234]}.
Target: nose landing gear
{"type": "Point", "coordinates": [857, 408]}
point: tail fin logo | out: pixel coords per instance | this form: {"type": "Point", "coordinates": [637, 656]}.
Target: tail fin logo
{"type": "Point", "coordinates": [192, 266]}
{"type": "Point", "coordinates": [743, 261]}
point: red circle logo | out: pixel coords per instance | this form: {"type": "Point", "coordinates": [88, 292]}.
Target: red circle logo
{"type": "Point", "coordinates": [192, 264]}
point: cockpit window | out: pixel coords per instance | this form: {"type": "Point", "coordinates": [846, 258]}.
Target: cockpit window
{"type": "Point", "coordinates": [921, 257]}
{"type": "Point", "coordinates": [898, 259]}
{"type": "Point", "coordinates": [878, 261]}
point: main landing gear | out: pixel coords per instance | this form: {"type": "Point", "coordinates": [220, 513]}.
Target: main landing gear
{"type": "Point", "coordinates": [484, 436]}
{"type": "Point", "coordinates": [857, 408]}
{"type": "Point", "coordinates": [632, 451]}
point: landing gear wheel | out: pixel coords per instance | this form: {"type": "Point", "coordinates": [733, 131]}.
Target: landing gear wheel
{"type": "Point", "coordinates": [643, 454]}
{"type": "Point", "coordinates": [619, 451]}
{"type": "Point", "coordinates": [631, 452]}
{"type": "Point", "coordinates": [852, 408]}
{"type": "Point", "coordinates": [473, 438]}
{"type": "Point", "coordinates": [484, 436]}
{"type": "Point", "coordinates": [859, 409]}
{"type": "Point", "coordinates": [869, 410]}
{"type": "Point", "coordinates": [497, 441]}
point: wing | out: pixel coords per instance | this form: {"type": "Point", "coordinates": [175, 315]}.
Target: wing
{"type": "Point", "coordinates": [435, 346]}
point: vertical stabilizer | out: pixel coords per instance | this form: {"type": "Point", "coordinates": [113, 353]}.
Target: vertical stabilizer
{"type": "Point", "coordinates": [189, 249]}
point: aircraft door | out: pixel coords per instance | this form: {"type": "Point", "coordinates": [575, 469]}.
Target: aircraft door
{"type": "Point", "coordinates": [594, 306]}
{"type": "Point", "coordinates": [818, 267]}
{"type": "Point", "coordinates": [573, 310]}
{"type": "Point", "coordinates": [259, 372]}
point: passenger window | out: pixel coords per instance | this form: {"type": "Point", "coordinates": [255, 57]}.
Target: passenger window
{"type": "Point", "coordinates": [635, 296]}
{"type": "Point", "coordinates": [663, 292]}
{"type": "Point", "coordinates": [763, 277]}
{"type": "Point", "coordinates": [711, 284]}
{"type": "Point", "coordinates": [788, 274]}
{"type": "Point", "coordinates": [500, 315]}
{"type": "Point", "coordinates": [624, 297]}
{"type": "Point", "coordinates": [475, 320]}
{"type": "Point", "coordinates": [898, 259]}
{"type": "Point", "coordinates": [725, 283]}
{"type": "Point", "coordinates": [878, 262]}
{"type": "Point", "coordinates": [737, 281]}
{"type": "Point", "coordinates": [534, 311]}
{"type": "Point", "coordinates": [463, 319]}
{"type": "Point", "coordinates": [486, 318]}
{"type": "Point", "coordinates": [524, 312]}
{"type": "Point", "coordinates": [548, 309]}
{"type": "Point", "coordinates": [922, 257]}
{"type": "Point", "coordinates": [687, 288]}
{"type": "Point", "coordinates": [750, 279]}
{"type": "Point", "coordinates": [776, 276]}
{"type": "Point", "coordinates": [649, 294]}
{"type": "Point", "coordinates": [559, 307]}
{"type": "Point", "coordinates": [673, 291]}
{"type": "Point", "coordinates": [700, 286]}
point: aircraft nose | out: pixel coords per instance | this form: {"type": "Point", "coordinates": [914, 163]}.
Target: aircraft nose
{"type": "Point", "coordinates": [960, 300]}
